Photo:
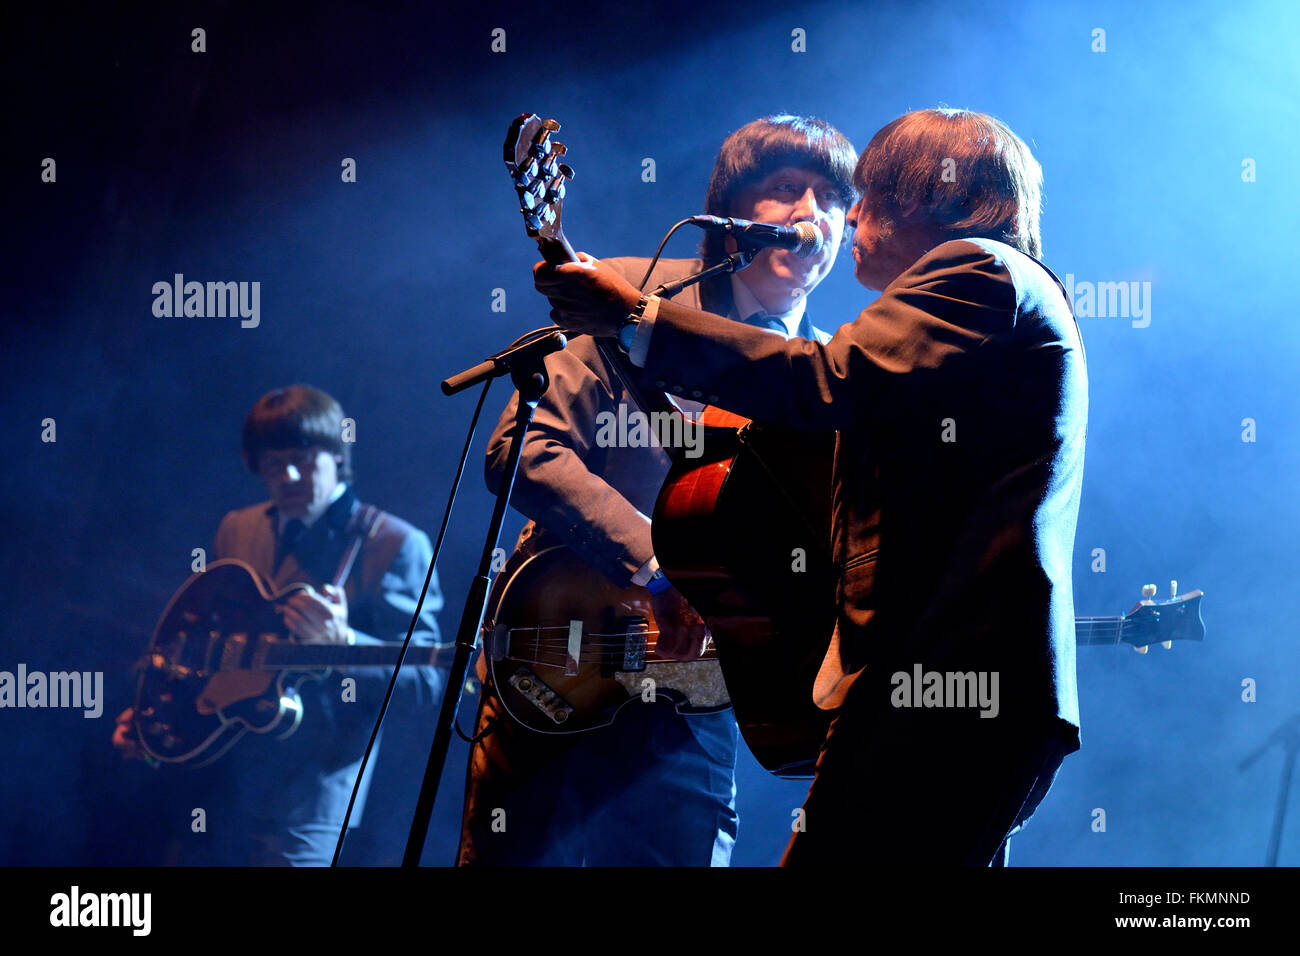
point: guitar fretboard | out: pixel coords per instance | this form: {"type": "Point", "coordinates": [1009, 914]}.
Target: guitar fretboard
{"type": "Point", "coordinates": [1098, 630]}
{"type": "Point", "coordinates": [287, 655]}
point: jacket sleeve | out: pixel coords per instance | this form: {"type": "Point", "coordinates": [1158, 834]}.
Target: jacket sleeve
{"type": "Point", "coordinates": [390, 615]}
{"type": "Point", "coordinates": [559, 484]}
{"type": "Point", "coordinates": [934, 317]}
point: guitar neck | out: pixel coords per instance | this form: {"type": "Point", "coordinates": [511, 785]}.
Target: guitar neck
{"type": "Point", "coordinates": [288, 655]}
{"type": "Point", "coordinates": [1098, 630]}
{"type": "Point", "coordinates": [558, 251]}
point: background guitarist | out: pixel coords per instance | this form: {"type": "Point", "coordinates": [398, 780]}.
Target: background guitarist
{"type": "Point", "coordinates": [278, 802]}
{"type": "Point", "coordinates": [960, 398]}
{"type": "Point", "coordinates": [655, 787]}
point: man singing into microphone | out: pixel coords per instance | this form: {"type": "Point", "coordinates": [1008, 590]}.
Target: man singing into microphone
{"type": "Point", "coordinates": [960, 398]}
{"type": "Point", "coordinates": [654, 787]}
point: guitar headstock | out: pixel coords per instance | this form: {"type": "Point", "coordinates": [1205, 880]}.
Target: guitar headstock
{"type": "Point", "coordinates": [1163, 622]}
{"type": "Point", "coordinates": [533, 156]}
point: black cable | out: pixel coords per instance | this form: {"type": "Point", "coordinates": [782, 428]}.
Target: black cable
{"type": "Point", "coordinates": [658, 252]}
{"type": "Point", "coordinates": [410, 630]}
{"type": "Point", "coordinates": [460, 468]}
{"type": "Point", "coordinates": [446, 517]}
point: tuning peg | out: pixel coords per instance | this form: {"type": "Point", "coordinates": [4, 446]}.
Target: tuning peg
{"type": "Point", "coordinates": [1148, 591]}
{"type": "Point", "coordinates": [1141, 650]}
{"type": "Point", "coordinates": [1167, 645]}
{"type": "Point", "coordinates": [1173, 589]}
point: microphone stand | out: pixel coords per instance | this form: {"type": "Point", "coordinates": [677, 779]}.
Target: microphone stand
{"type": "Point", "coordinates": [526, 366]}
{"type": "Point", "coordinates": [731, 263]}
{"type": "Point", "coordinates": [1287, 735]}
{"type": "Point", "coordinates": [525, 363]}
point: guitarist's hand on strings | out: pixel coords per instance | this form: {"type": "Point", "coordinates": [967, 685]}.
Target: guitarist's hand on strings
{"type": "Point", "coordinates": [587, 296]}
{"type": "Point", "coordinates": [316, 617]}
{"type": "Point", "coordinates": [682, 632]}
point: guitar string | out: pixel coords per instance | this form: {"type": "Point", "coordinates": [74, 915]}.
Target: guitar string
{"type": "Point", "coordinates": [560, 647]}
{"type": "Point", "coordinates": [590, 661]}
{"type": "Point", "coordinates": [1081, 622]}
{"type": "Point", "coordinates": [617, 639]}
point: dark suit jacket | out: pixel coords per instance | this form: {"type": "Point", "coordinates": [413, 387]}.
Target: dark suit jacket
{"type": "Point", "coordinates": [596, 500]}
{"type": "Point", "coordinates": [309, 776]}
{"type": "Point", "coordinates": [960, 396]}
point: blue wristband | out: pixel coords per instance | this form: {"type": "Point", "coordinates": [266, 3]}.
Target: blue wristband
{"type": "Point", "coordinates": [658, 583]}
{"type": "Point", "coordinates": [626, 333]}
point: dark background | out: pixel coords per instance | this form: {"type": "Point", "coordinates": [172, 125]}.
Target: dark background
{"type": "Point", "coordinates": [225, 165]}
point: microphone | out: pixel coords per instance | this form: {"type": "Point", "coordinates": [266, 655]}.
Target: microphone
{"type": "Point", "coordinates": [803, 238]}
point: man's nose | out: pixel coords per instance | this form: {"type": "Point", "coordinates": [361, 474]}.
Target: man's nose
{"type": "Point", "coordinates": [292, 473]}
{"type": "Point", "coordinates": [806, 208]}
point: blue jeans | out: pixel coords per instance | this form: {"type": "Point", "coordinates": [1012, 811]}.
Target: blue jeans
{"type": "Point", "coordinates": [654, 788]}
{"type": "Point", "coordinates": [308, 844]}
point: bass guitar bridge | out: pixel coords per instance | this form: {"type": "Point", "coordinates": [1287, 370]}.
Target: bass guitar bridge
{"type": "Point", "coordinates": [533, 690]}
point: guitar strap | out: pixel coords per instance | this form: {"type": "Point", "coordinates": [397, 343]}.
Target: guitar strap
{"type": "Point", "coordinates": [364, 525]}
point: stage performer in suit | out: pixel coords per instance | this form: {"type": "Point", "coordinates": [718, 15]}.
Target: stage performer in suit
{"type": "Point", "coordinates": [282, 802]}
{"type": "Point", "coordinates": [655, 787]}
{"type": "Point", "coordinates": [960, 398]}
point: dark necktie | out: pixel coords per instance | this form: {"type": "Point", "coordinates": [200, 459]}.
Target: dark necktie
{"type": "Point", "coordinates": [289, 537]}
{"type": "Point", "coordinates": [769, 322]}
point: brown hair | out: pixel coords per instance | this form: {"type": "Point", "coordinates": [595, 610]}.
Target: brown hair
{"type": "Point", "coordinates": [297, 416]}
{"type": "Point", "coordinates": [760, 148]}
{"type": "Point", "coordinates": [967, 174]}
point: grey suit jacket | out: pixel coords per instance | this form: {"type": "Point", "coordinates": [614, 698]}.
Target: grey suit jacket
{"type": "Point", "coordinates": [960, 398]}
{"type": "Point", "coordinates": [593, 499]}
{"type": "Point", "coordinates": [308, 777]}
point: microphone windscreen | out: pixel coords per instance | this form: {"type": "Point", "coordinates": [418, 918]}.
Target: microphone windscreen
{"type": "Point", "coordinates": [810, 240]}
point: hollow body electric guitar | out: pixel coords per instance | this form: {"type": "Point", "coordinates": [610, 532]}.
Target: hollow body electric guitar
{"type": "Point", "coordinates": [222, 664]}
{"type": "Point", "coordinates": [567, 650]}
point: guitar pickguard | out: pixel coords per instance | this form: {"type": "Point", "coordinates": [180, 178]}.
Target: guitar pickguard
{"type": "Point", "coordinates": [700, 682]}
